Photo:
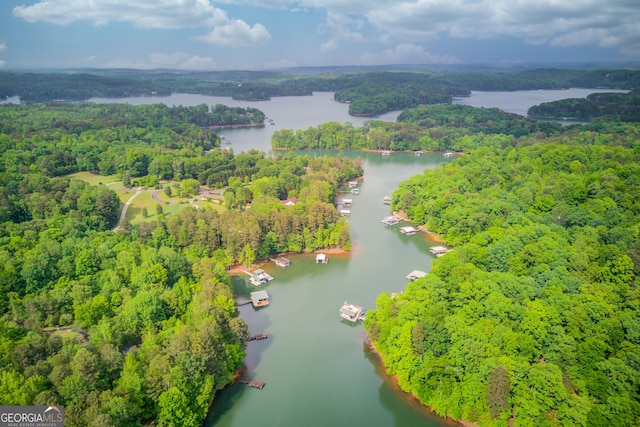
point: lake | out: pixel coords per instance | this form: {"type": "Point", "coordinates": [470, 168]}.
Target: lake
{"type": "Point", "coordinates": [317, 368]}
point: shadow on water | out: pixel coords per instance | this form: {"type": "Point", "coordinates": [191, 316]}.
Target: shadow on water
{"type": "Point", "coordinates": [224, 401]}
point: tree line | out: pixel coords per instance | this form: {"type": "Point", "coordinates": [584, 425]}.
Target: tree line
{"type": "Point", "coordinates": [370, 90]}
{"type": "Point", "coordinates": [623, 107]}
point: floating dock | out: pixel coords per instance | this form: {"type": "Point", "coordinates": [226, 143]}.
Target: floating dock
{"type": "Point", "coordinates": [386, 153]}
{"type": "Point", "coordinates": [282, 262]}
{"type": "Point", "coordinates": [259, 337]}
{"type": "Point", "coordinates": [391, 220]}
{"type": "Point", "coordinates": [408, 231]}
{"type": "Point", "coordinates": [259, 277]}
{"type": "Point", "coordinates": [386, 200]}
{"type": "Point", "coordinates": [353, 184]}
{"type": "Point", "coordinates": [259, 298]}
{"type": "Point", "coordinates": [350, 312]}
{"type": "Point", "coordinates": [439, 250]}
{"type": "Point", "coordinates": [355, 191]}
{"type": "Point", "coordinates": [345, 212]}
{"type": "Point", "coordinates": [255, 384]}
{"type": "Point", "coordinates": [322, 259]}
{"type": "Point", "coordinates": [347, 202]}
{"type": "Point", "coordinates": [416, 274]}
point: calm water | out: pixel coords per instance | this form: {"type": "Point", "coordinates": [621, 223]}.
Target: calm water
{"type": "Point", "coordinates": [317, 369]}
{"type": "Point", "coordinates": [518, 102]}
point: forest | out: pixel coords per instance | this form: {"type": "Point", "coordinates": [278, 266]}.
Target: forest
{"type": "Point", "coordinates": [623, 107]}
{"type": "Point", "coordinates": [534, 318]}
{"type": "Point", "coordinates": [369, 91]}
{"type": "Point", "coordinates": [138, 327]}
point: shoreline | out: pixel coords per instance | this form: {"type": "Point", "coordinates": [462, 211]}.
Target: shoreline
{"type": "Point", "coordinates": [239, 268]}
{"type": "Point", "coordinates": [437, 238]}
{"type": "Point", "coordinates": [379, 366]}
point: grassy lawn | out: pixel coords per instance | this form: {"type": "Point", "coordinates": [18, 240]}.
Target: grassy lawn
{"type": "Point", "coordinates": [94, 179]}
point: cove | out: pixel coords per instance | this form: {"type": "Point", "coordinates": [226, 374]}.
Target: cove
{"type": "Point", "coordinates": [317, 368]}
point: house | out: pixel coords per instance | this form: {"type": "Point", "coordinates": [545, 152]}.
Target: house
{"type": "Point", "coordinates": [292, 201]}
{"type": "Point", "coordinates": [259, 298]}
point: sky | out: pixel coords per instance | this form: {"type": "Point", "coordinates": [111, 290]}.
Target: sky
{"type": "Point", "coordinates": [273, 34]}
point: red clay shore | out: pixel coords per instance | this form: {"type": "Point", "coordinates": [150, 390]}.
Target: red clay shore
{"type": "Point", "coordinates": [239, 268]}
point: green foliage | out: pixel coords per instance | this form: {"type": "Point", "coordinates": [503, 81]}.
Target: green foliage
{"type": "Point", "coordinates": [523, 323]}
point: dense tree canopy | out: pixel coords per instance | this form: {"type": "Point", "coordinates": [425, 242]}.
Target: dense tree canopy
{"type": "Point", "coordinates": [533, 318]}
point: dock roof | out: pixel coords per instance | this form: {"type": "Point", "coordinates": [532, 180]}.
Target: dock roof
{"type": "Point", "coordinates": [259, 295]}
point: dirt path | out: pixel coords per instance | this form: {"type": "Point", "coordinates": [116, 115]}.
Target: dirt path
{"type": "Point", "coordinates": [123, 214]}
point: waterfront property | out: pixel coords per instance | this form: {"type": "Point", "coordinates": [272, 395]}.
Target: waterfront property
{"type": "Point", "coordinates": [282, 262]}
{"type": "Point", "coordinates": [386, 200]}
{"type": "Point", "coordinates": [408, 230]}
{"type": "Point", "coordinates": [322, 259]}
{"type": "Point", "coordinates": [390, 220]}
{"type": "Point", "coordinates": [439, 250]}
{"type": "Point", "coordinates": [351, 312]}
{"type": "Point", "coordinates": [416, 274]}
{"type": "Point", "coordinates": [259, 298]}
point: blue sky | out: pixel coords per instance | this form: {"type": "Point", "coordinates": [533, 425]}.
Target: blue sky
{"type": "Point", "coordinates": [267, 34]}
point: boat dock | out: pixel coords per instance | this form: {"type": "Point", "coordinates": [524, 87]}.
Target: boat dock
{"type": "Point", "coordinates": [253, 383]}
{"type": "Point", "coordinates": [259, 277]}
{"type": "Point", "coordinates": [408, 231]}
{"type": "Point", "coordinates": [439, 250]}
{"type": "Point", "coordinates": [322, 259]}
{"type": "Point", "coordinates": [416, 274]}
{"type": "Point", "coordinates": [386, 200]}
{"type": "Point", "coordinates": [391, 220]}
{"type": "Point", "coordinates": [351, 312]}
{"type": "Point", "coordinates": [281, 262]}
{"type": "Point", "coordinates": [259, 337]}
{"type": "Point", "coordinates": [259, 298]}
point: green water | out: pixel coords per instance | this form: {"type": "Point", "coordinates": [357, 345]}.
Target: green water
{"type": "Point", "coordinates": [317, 368]}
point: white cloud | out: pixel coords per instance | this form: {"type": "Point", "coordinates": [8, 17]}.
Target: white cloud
{"type": "Point", "coordinates": [156, 14]}
{"type": "Point", "coordinates": [236, 33]}
{"type": "Point", "coordinates": [174, 61]}
{"type": "Point", "coordinates": [405, 53]}
{"type": "Point", "coordinates": [342, 28]}
{"type": "Point", "coordinates": [610, 23]}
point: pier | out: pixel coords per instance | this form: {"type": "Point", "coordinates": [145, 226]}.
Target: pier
{"type": "Point", "coordinates": [259, 337]}
{"type": "Point", "coordinates": [391, 220]}
{"type": "Point", "coordinates": [352, 313]}
{"type": "Point", "coordinates": [255, 384]}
